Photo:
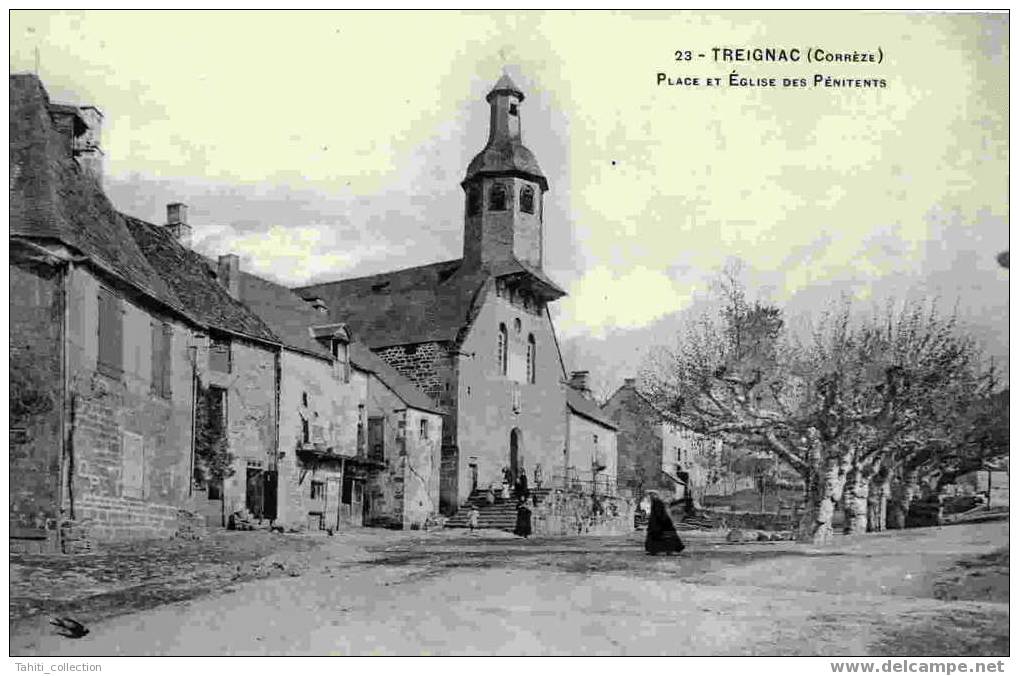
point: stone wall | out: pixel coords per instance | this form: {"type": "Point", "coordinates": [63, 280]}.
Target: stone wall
{"type": "Point", "coordinates": [427, 365]}
{"type": "Point", "coordinates": [36, 397]}
{"type": "Point", "coordinates": [592, 442]}
{"type": "Point", "coordinates": [639, 444]}
{"type": "Point", "coordinates": [568, 513]}
{"type": "Point", "coordinates": [129, 448]}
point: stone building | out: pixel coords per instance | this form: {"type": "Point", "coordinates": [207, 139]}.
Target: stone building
{"type": "Point", "coordinates": [475, 333]}
{"type": "Point", "coordinates": [102, 349]}
{"type": "Point", "coordinates": [655, 452]}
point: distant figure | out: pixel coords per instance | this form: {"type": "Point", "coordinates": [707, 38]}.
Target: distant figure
{"type": "Point", "coordinates": [522, 490]}
{"type": "Point", "coordinates": [472, 518]}
{"type": "Point", "coordinates": [505, 491]}
{"type": "Point", "coordinates": [661, 533]}
{"type": "Point", "coordinates": [538, 476]}
{"type": "Point", "coordinates": [490, 495]}
{"type": "Point", "coordinates": [507, 476]}
{"type": "Point", "coordinates": [523, 527]}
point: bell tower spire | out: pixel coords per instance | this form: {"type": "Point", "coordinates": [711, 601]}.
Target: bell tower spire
{"type": "Point", "coordinates": [504, 188]}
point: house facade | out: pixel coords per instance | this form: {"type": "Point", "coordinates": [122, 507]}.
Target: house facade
{"type": "Point", "coordinates": [102, 350]}
{"type": "Point", "coordinates": [655, 452]}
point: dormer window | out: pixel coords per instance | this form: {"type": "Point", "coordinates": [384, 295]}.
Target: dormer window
{"type": "Point", "coordinates": [497, 198]}
{"type": "Point", "coordinates": [473, 200]}
{"type": "Point", "coordinates": [527, 200]}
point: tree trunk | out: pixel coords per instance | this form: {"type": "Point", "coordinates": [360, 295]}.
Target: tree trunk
{"type": "Point", "coordinates": [854, 501]}
{"type": "Point", "coordinates": [877, 501]}
{"type": "Point", "coordinates": [903, 491]}
{"type": "Point", "coordinates": [823, 488]}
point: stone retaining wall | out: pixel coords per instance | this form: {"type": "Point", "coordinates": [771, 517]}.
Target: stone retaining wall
{"type": "Point", "coordinates": [566, 513]}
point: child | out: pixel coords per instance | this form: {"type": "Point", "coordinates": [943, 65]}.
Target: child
{"type": "Point", "coordinates": [472, 518]}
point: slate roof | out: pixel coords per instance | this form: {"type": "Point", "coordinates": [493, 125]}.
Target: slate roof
{"type": "Point", "coordinates": [289, 317]}
{"type": "Point", "coordinates": [366, 360]}
{"type": "Point", "coordinates": [583, 406]}
{"type": "Point", "coordinates": [413, 305]}
{"type": "Point", "coordinates": [503, 156]}
{"type": "Point", "coordinates": [52, 198]}
{"type": "Point", "coordinates": [193, 279]}
{"type": "Point", "coordinates": [506, 84]}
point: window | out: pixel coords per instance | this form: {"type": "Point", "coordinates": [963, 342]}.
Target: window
{"type": "Point", "coordinates": [219, 355]}
{"type": "Point", "coordinates": [318, 490]}
{"type": "Point", "coordinates": [111, 335]}
{"type": "Point", "coordinates": [162, 339]}
{"type": "Point", "coordinates": [305, 431]}
{"type": "Point", "coordinates": [502, 347]}
{"type": "Point", "coordinates": [497, 198]}
{"type": "Point", "coordinates": [376, 438]}
{"type": "Point", "coordinates": [517, 325]}
{"type": "Point", "coordinates": [527, 200]}
{"type": "Point", "coordinates": [531, 356]}
{"type": "Point", "coordinates": [304, 399]}
{"type": "Point", "coordinates": [473, 200]}
{"type": "Point", "coordinates": [340, 352]}
{"type": "Point", "coordinates": [423, 428]}
{"type": "Point", "coordinates": [216, 410]}
{"type": "Point", "coordinates": [513, 109]}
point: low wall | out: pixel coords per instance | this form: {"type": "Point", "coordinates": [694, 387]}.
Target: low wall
{"type": "Point", "coordinates": [724, 519]}
{"type": "Point", "coordinates": [567, 513]}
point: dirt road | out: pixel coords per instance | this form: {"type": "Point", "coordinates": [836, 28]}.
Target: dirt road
{"type": "Point", "coordinates": [448, 593]}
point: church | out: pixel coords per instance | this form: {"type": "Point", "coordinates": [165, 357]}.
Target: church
{"type": "Point", "coordinates": [475, 333]}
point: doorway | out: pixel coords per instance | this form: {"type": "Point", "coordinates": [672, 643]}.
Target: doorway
{"type": "Point", "coordinates": [515, 453]}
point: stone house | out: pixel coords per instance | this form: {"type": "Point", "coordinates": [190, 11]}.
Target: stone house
{"type": "Point", "coordinates": [102, 349]}
{"type": "Point", "coordinates": [359, 444]}
{"type": "Point", "coordinates": [656, 452]}
{"type": "Point", "coordinates": [237, 359]}
{"type": "Point", "coordinates": [475, 334]}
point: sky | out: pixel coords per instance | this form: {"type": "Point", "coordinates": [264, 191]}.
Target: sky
{"type": "Point", "coordinates": [323, 145]}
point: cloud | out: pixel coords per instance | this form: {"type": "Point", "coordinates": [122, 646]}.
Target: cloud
{"type": "Point", "coordinates": [602, 300]}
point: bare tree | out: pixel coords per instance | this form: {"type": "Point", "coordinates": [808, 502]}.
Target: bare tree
{"type": "Point", "coordinates": [835, 405]}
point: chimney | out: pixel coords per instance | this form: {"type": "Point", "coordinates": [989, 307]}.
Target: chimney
{"type": "Point", "coordinates": [630, 382]}
{"type": "Point", "coordinates": [88, 149]}
{"type": "Point", "coordinates": [228, 270]}
{"type": "Point", "coordinates": [318, 305]}
{"type": "Point", "coordinates": [177, 222]}
{"type": "Point", "coordinates": [578, 381]}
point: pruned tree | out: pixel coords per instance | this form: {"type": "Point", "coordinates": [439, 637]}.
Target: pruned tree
{"type": "Point", "coordinates": [834, 405]}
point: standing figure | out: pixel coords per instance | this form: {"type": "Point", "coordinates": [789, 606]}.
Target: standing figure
{"type": "Point", "coordinates": [523, 527]}
{"type": "Point", "coordinates": [538, 476]}
{"type": "Point", "coordinates": [472, 518]}
{"type": "Point", "coordinates": [661, 533]}
{"type": "Point", "coordinates": [522, 490]}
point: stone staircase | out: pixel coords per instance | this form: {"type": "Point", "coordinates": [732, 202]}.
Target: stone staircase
{"type": "Point", "coordinates": [501, 516]}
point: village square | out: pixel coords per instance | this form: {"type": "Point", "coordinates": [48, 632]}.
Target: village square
{"type": "Point", "coordinates": [210, 459]}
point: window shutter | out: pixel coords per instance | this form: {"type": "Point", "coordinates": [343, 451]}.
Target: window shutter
{"type": "Point", "coordinates": [111, 335]}
{"type": "Point", "coordinates": [167, 359]}
{"type": "Point", "coordinates": [157, 357]}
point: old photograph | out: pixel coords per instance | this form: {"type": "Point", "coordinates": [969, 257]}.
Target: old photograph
{"type": "Point", "coordinates": [510, 333]}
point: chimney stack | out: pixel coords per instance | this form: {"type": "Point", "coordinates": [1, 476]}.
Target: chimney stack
{"type": "Point", "coordinates": [177, 222]}
{"type": "Point", "coordinates": [578, 381]}
{"type": "Point", "coordinates": [630, 382]}
{"type": "Point", "coordinates": [87, 148]}
{"type": "Point", "coordinates": [228, 270]}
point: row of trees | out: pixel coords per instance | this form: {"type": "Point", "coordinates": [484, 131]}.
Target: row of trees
{"type": "Point", "coordinates": [864, 409]}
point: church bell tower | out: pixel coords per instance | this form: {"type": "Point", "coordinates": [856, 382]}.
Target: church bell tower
{"type": "Point", "coordinates": [504, 189]}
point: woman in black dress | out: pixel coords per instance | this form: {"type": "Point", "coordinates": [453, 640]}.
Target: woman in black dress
{"type": "Point", "coordinates": [661, 533]}
{"type": "Point", "coordinates": [523, 527]}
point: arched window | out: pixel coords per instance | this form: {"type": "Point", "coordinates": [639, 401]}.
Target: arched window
{"type": "Point", "coordinates": [531, 358]}
{"type": "Point", "coordinates": [527, 200]}
{"type": "Point", "coordinates": [473, 200]}
{"type": "Point", "coordinates": [502, 349]}
{"type": "Point", "coordinates": [497, 198]}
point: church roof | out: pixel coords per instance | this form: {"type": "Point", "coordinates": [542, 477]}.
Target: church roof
{"type": "Point", "coordinates": [52, 198]}
{"type": "Point", "coordinates": [413, 305]}
{"type": "Point", "coordinates": [506, 157]}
